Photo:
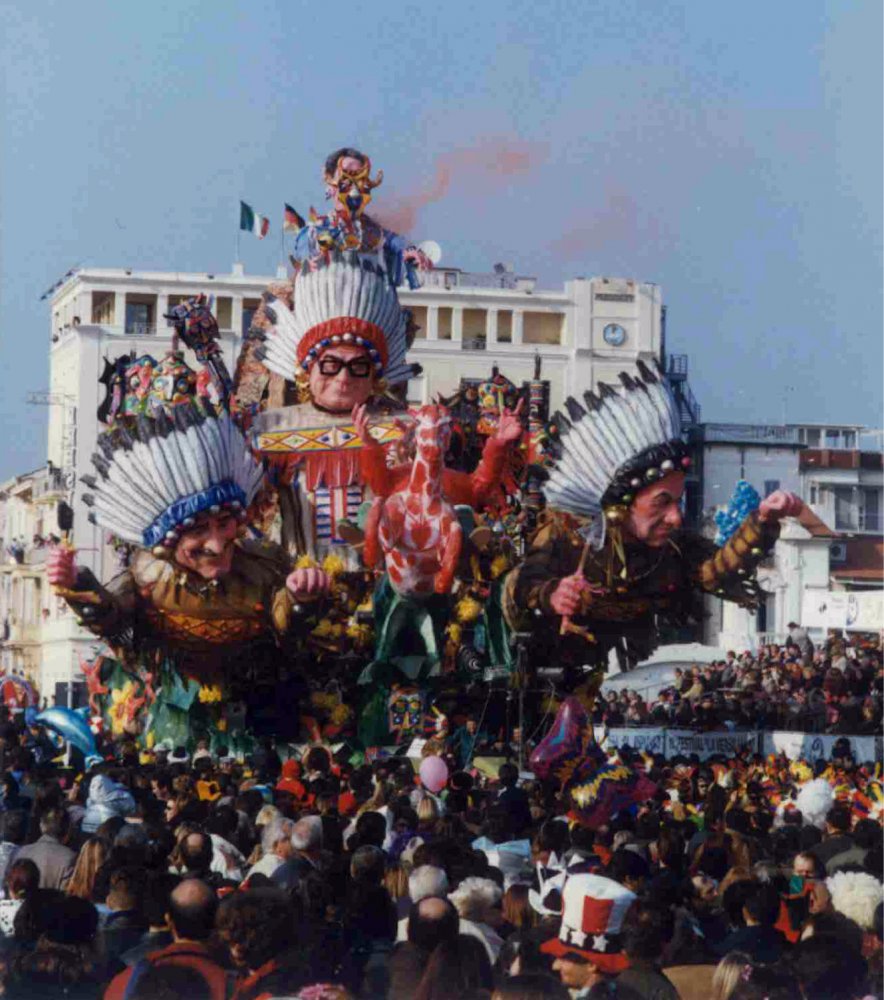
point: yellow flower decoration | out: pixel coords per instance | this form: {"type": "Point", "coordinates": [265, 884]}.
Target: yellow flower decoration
{"type": "Point", "coordinates": [209, 694]}
{"type": "Point", "coordinates": [120, 698]}
{"type": "Point", "coordinates": [340, 714]}
{"type": "Point", "coordinates": [222, 725]}
{"type": "Point", "coordinates": [499, 565]}
{"type": "Point", "coordinates": [333, 565]}
{"type": "Point", "coordinates": [305, 562]}
{"type": "Point", "coordinates": [455, 632]}
{"type": "Point", "coordinates": [467, 610]}
{"type": "Point", "coordinates": [360, 634]}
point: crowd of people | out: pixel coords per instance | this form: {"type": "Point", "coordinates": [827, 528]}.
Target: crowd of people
{"type": "Point", "coordinates": [170, 875]}
{"type": "Point", "coordinates": [836, 689]}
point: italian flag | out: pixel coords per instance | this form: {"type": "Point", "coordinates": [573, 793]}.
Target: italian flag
{"type": "Point", "coordinates": [251, 222]}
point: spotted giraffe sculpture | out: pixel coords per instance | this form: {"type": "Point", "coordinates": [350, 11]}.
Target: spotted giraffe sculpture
{"type": "Point", "coordinates": [415, 528]}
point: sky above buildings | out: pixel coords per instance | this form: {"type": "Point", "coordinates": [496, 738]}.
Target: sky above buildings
{"type": "Point", "coordinates": [730, 152]}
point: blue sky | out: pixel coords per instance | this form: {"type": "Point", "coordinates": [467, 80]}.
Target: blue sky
{"type": "Point", "coordinates": [730, 152]}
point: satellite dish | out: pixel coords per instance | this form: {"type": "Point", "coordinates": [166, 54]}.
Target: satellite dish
{"type": "Point", "coordinates": [432, 249]}
{"type": "Point", "coordinates": [500, 268]}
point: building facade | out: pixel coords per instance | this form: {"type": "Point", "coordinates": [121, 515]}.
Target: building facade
{"type": "Point", "coordinates": [835, 548]}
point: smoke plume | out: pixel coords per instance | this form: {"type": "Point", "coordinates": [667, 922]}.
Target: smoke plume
{"type": "Point", "coordinates": [477, 167]}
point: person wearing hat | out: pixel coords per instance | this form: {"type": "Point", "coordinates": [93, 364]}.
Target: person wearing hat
{"type": "Point", "coordinates": [589, 945]}
{"type": "Point", "coordinates": [178, 484]}
{"type": "Point", "coordinates": [331, 344]}
{"type": "Point", "coordinates": [612, 556]}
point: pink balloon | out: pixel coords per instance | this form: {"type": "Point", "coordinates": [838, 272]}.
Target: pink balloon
{"type": "Point", "coordinates": [434, 774]}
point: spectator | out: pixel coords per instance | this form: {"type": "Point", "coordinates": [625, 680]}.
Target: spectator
{"type": "Point", "coordinates": [478, 901]}
{"type": "Point", "coordinates": [52, 857]}
{"type": "Point", "coordinates": [276, 845]}
{"type": "Point", "coordinates": [423, 882]}
{"type": "Point", "coordinates": [155, 907]}
{"type": "Point", "coordinates": [513, 799]}
{"type": "Point", "coordinates": [92, 856]}
{"type": "Point", "coordinates": [517, 912]}
{"type": "Point", "coordinates": [647, 930]}
{"type": "Point", "coordinates": [192, 909]}
{"type": "Point", "coordinates": [455, 969]}
{"type": "Point", "coordinates": [14, 825]}
{"type": "Point", "coordinates": [107, 798]}
{"type": "Point", "coordinates": [124, 923]}
{"type": "Point", "coordinates": [758, 938]}
{"type": "Point", "coordinates": [432, 921]}
{"type": "Point", "coordinates": [62, 962]}
{"type": "Point", "coordinates": [837, 837]}
{"type": "Point", "coordinates": [22, 881]}
{"type": "Point", "coordinates": [259, 928]}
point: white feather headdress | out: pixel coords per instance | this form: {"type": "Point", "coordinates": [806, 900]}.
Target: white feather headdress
{"type": "Point", "coordinates": [344, 299]}
{"type": "Point", "coordinates": [620, 441]}
{"type": "Point", "coordinates": [156, 475]}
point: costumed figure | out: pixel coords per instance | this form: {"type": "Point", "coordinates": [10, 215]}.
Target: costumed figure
{"type": "Point", "coordinates": [200, 618]}
{"type": "Point", "coordinates": [611, 564]}
{"type": "Point", "coordinates": [349, 186]}
{"type": "Point", "coordinates": [343, 343]}
{"type": "Point", "coordinates": [593, 786]}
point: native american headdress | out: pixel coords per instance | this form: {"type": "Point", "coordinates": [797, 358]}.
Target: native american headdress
{"type": "Point", "coordinates": [347, 298]}
{"type": "Point", "coordinates": [608, 449]}
{"type": "Point", "coordinates": [158, 473]}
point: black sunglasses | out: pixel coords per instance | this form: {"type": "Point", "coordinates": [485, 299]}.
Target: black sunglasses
{"type": "Point", "coordinates": [357, 367]}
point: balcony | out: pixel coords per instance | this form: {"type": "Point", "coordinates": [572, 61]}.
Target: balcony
{"type": "Point", "coordinates": [473, 344]}
{"type": "Point", "coordinates": [49, 485]}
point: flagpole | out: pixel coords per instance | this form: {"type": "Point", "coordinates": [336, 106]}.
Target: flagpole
{"type": "Point", "coordinates": [282, 241]}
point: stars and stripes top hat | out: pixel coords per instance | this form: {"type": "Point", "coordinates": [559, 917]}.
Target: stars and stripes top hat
{"type": "Point", "coordinates": [157, 474]}
{"type": "Point", "coordinates": [594, 908]}
{"type": "Point", "coordinates": [611, 445]}
{"type": "Point", "coordinates": [342, 297]}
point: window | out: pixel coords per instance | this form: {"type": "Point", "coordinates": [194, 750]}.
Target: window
{"type": "Point", "coordinates": [419, 318]}
{"type": "Point", "coordinates": [814, 493]}
{"type": "Point", "coordinates": [813, 437]}
{"type": "Point", "coordinates": [832, 439]}
{"type": "Point", "coordinates": [224, 312]}
{"type": "Point", "coordinates": [444, 322]}
{"type": "Point", "coordinates": [505, 326]}
{"type": "Point", "coordinates": [474, 324]}
{"type": "Point", "coordinates": [850, 439]}
{"type": "Point", "coordinates": [871, 515]}
{"type": "Point", "coordinates": [249, 308]}
{"type": "Point", "coordinates": [771, 486]}
{"type": "Point", "coordinates": [846, 514]}
{"type": "Point", "coordinates": [138, 317]}
{"type": "Point", "coordinates": [102, 307]}
{"type": "Point", "coordinates": [542, 328]}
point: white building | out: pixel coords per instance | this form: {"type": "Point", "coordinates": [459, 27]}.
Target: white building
{"type": "Point", "coordinates": [587, 331]}
{"type": "Point", "coordinates": [29, 612]}
{"type": "Point", "coordinates": [836, 546]}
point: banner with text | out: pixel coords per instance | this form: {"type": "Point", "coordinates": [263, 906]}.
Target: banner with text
{"type": "Point", "coordinates": [813, 746]}
{"type": "Point", "coordinates": [706, 745]}
{"type": "Point", "coordinates": [649, 739]}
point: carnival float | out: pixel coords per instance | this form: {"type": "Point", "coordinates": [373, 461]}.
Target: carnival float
{"type": "Point", "coordinates": [306, 556]}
